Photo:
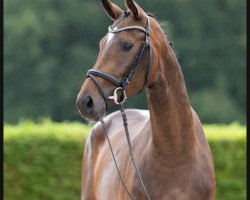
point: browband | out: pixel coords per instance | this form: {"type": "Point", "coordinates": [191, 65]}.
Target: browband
{"type": "Point", "coordinates": [128, 28]}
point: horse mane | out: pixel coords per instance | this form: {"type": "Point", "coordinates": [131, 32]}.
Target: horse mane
{"type": "Point", "coordinates": [161, 24]}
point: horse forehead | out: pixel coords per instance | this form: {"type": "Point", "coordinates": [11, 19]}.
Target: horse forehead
{"type": "Point", "coordinates": [111, 35]}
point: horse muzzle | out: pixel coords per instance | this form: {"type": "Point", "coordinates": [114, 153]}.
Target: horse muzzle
{"type": "Point", "coordinates": [90, 108]}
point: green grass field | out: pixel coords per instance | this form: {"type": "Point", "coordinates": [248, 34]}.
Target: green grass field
{"type": "Point", "coordinates": [43, 160]}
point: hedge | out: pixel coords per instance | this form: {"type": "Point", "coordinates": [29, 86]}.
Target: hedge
{"type": "Point", "coordinates": [42, 161]}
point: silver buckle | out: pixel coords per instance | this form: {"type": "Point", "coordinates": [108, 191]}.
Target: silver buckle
{"type": "Point", "coordinates": [115, 96]}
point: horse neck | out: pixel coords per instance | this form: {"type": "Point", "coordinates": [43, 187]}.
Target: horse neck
{"type": "Point", "coordinates": [170, 111]}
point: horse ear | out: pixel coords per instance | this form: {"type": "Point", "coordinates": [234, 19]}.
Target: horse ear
{"type": "Point", "coordinates": [112, 10]}
{"type": "Point", "coordinates": [135, 9]}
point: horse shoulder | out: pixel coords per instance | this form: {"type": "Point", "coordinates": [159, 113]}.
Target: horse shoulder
{"type": "Point", "coordinates": [93, 143]}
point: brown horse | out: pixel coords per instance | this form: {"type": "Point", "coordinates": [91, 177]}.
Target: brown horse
{"type": "Point", "coordinates": [169, 145]}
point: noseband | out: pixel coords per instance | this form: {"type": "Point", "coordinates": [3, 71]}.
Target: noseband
{"type": "Point", "coordinates": [121, 85]}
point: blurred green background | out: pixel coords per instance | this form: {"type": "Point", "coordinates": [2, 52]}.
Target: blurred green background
{"type": "Point", "coordinates": [50, 44]}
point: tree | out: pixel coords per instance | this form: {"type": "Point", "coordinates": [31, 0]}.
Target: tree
{"type": "Point", "coordinates": [50, 44]}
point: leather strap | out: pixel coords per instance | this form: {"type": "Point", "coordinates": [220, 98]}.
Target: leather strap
{"type": "Point", "coordinates": [103, 75]}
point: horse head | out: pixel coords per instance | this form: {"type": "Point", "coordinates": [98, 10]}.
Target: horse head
{"type": "Point", "coordinates": [127, 60]}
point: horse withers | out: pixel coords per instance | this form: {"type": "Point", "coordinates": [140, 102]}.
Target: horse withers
{"type": "Point", "coordinates": [168, 142]}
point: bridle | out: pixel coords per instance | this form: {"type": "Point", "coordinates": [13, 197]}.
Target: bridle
{"type": "Point", "coordinates": [126, 79]}
{"type": "Point", "coordinates": [121, 85]}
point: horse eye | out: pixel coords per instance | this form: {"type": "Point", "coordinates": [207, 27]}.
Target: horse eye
{"type": "Point", "coordinates": [127, 46]}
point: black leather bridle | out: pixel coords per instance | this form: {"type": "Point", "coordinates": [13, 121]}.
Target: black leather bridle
{"type": "Point", "coordinates": [121, 85]}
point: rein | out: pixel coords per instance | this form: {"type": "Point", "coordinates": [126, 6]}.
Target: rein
{"type": "Point", "coordinates": [121, 85]}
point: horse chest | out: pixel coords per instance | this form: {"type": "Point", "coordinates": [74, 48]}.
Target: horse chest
{"type": "Point", "coordinates": [161, 186]}
{"type": "Point", "coordinates": [163, 182]}
{"type": "Point", "coordinates": [108, 184]}
{"type": "Point", "coordinates": [110, 187]}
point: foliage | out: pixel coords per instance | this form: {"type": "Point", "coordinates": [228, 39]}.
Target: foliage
{"type": "Point", "coordinates": [50, 44]}
{"type": "Point", "coordinates": [228, 146]}
{"type": "Point", "coordinates": [43, 160]}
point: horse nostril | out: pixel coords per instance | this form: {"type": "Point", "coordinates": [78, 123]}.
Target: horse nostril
{"type": "Point", "coordinates": [85, 103]}
{"type": "Point", "coordinates": [89, 102]}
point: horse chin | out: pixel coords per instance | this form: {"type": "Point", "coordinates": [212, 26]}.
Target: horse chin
{"type": "Point", "coordinates": [94, 116]}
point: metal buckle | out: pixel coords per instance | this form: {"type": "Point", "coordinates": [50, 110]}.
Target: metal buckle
{"type": "Point", "coordinates": [115, 96]}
